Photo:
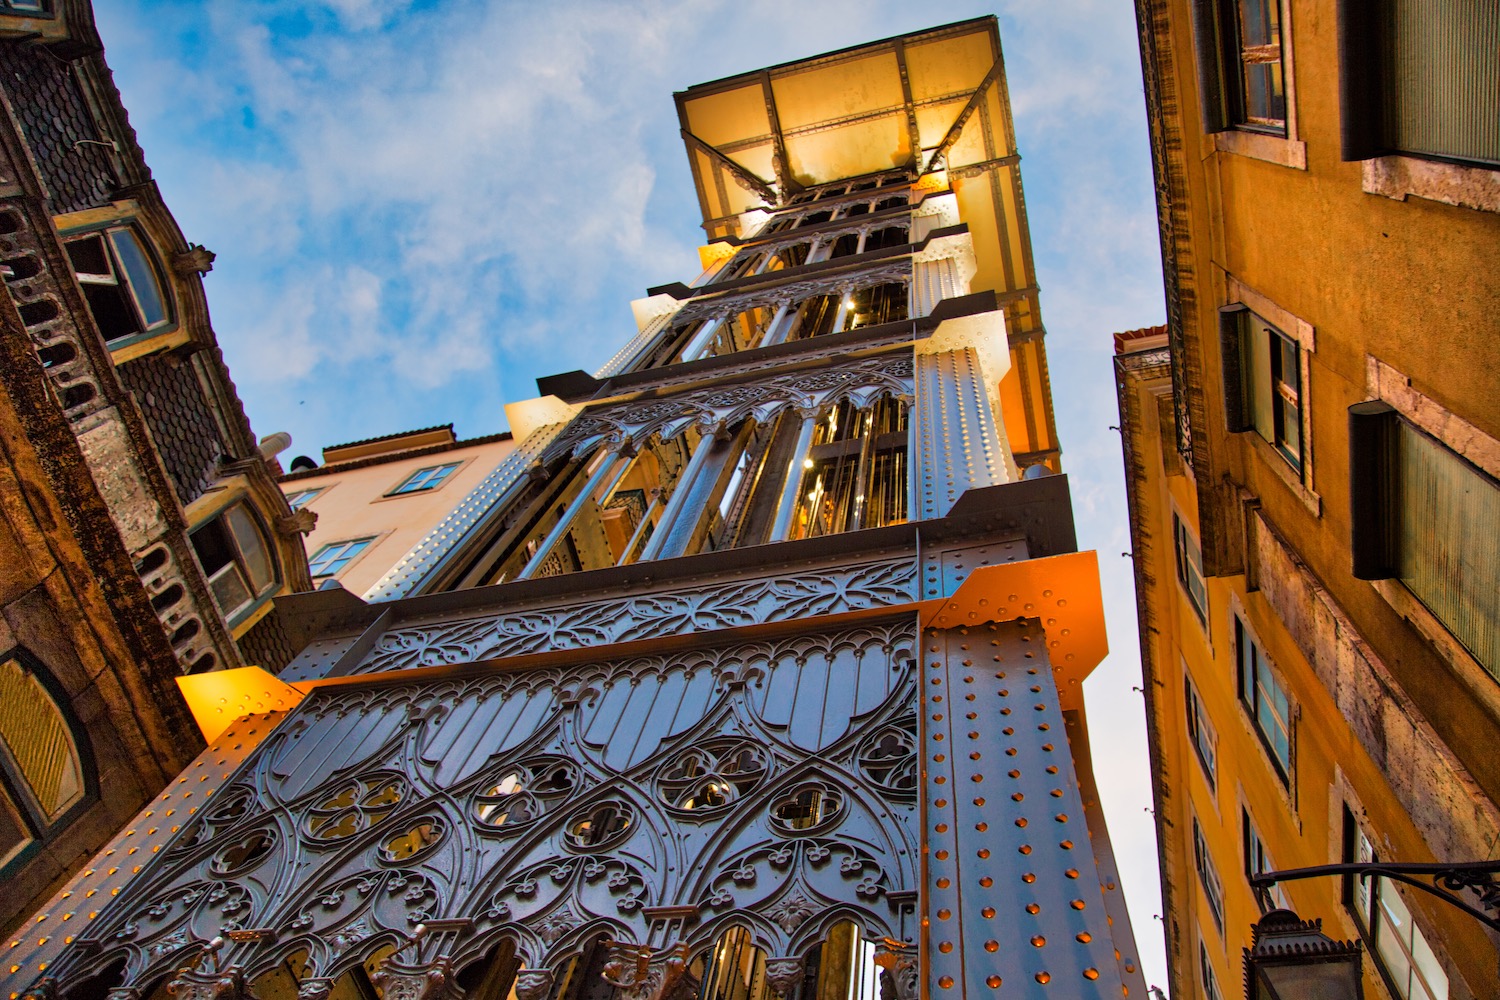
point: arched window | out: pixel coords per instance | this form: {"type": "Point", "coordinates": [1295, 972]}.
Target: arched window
{"type": "Point", "coordinates": [237, 559]}
{"type": "Point", "coordinates": [42, 773]}
{"type": "Point", "coordinates": [121, 282]}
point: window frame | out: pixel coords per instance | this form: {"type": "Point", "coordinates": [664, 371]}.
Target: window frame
{"type": "Point", "coordinates": [364, 543]}
{"type": "Point", "coordinates": [258, 597]}
{"type": "Point", "coordinates": [1215, 27]}
{"type": "Point", "coordinates": [1246, 640]}
{"type": "Point", "coordinates": [1246, 305]}
{"type": "Point", "coordinates": [1364, 91]}
{"type": "Point", "coordinates": [120, 277]}
{"type": "Point", "coordinates": [1371, 920]}
{"type": "Point", "coordinates": [1208, 876]}
{"type": "Point", "coordinates": [1189, 566]}
{"type": "Point", "coordinates": [447, 469]}
{"type": "Point", "coordinates": [1201, 730]}
{"type": "Point", "coordinates": [1207, 978]}
{"type": "Point", "coordinates": [1376, 429]}
{"type": "Point", "coordinates": [15, 789]}
{"type": "Point", "coordinates": [297, 499]}
{"type": "Point", "coordinates": [1257, 861]}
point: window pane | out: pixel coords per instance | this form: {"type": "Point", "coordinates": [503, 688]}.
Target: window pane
{"type": "Point", "coordinates": [33, 730]}
{"type": "Point", "coordinates": [142, 277]}
{"type": "Point", "coordinates": [254, 552]}
{"type": "Point", "coordinates": [14, 835]}
{"type": "Point", "coordinates": [1430, 975]}
{"type": "Point", "coordinates": [90, 260]}
{"type": "Point", "coordinates": [1260, 55]}
{"type": "Point", "coordinates": [230, 591]}
{"type": "Point", "coordinates": [1442, 78]}
{"type": "Point", "coordinates": [1258, 384]}
{"type": "Point", "coordinates": [1452, 568]}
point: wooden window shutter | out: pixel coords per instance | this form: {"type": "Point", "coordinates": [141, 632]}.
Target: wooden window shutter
{"type": "Point", "coordinates": [1238, 415]}
{"type": "Point", "coordinates": [1208, 46]}
{"type": "Point", "coordinates": [1373, 486]}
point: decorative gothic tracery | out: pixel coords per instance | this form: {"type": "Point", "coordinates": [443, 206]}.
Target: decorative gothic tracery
{"type": "Point", "coordinates": [766, 786]}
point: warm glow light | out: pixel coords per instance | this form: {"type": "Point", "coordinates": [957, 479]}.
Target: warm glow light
{"type": "Point", "coordinates": [221, 697]}
{"type": "Point", "coordinates": [807, 463]}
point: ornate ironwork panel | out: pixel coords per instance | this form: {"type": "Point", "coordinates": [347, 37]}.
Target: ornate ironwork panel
{"type": "Point", "coordinates": [767, 785]}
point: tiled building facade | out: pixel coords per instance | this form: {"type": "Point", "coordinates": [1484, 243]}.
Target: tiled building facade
{"type": "Point", "coordinates": [153, 502]}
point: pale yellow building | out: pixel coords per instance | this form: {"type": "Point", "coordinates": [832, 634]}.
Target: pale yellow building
{"type": "Point", "coordinates": [375, 499]}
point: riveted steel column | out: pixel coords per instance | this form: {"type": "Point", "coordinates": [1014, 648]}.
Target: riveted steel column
{"type": "Point", "coordinates": [612, 468]}
{"type": "Point", "coordinates": [958, 443]}
{"type": "Point", "coordinates": [1012, 900]}
{"type": "Point", "coordinates": [791, 486]}
{"type": "Point", "coordinates": [680, 495]}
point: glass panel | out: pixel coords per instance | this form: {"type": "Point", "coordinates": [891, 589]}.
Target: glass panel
{"type": "Point", "coordinates": [142, 276]}
{"type": "Point", "coordinates": [255, 554]}
{"type": "Point", "coordinates": [1453, 569]}
{"type": "Point", "coordinates": [39, 741]}
{"type": "Point", "coordinates": [14, 835]}
{"type": "Point", "coordinates": [1260, 54]}
{"type": "Point", "coordinates": [736, 969]}
{"type": "Point", "coordinates": [1258, 384]}
{"type": "Point", "coordinates": [90, 260]}
{"type": "Point", "coordinates": [230, 591]}
{"type": "Point", "coordinates": [1442, 78]}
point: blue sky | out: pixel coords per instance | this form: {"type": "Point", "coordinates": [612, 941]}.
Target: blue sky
{"type": "Point", "coordinates": [419, 207]}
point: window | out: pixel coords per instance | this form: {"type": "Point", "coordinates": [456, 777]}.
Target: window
{"type": "Point", "coordinates": [1258, 861]}
{"type": "Point", "coordinates": [330, 559]}
{"type": "Point", "coordinates": [1201, 732]}
{"type": "Point", "coordinates": [236, 558]}
{"type": "Point", "coordinates": [422, 480]}
{"type": "Point", "coordinates": [1206, 975]}
{"type": "Point", "coordinates": [1402, 953]}
{"type": "Point", "coordinates": [1264, 700]}
{"type": "Point", "coordinates": [1414, 511]}
{"type": "Point", "coordinates": [41, 768]}
{"type": "Point", "coordinates": [1420, 77]}
{"type": "Point", "coordinates": [1208, 876]}
{"type": "Point", "coordinates": [1263, 382]}
{"type": "Point", "coordinates": [120, 281]}
{"type": "Point", "coordinates": [1239, 50]}
{"type": "Point", "coordinates": [302, 498]}
{"type": "Point", "coordinates": [1190, 568]}
{"type": "Point", "coordinates": [855, 471]}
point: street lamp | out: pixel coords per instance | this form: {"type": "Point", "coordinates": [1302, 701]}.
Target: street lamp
{"type": "Point", "coordinates": [1292, 959]}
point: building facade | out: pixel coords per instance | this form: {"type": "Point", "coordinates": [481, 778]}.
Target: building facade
{"type": "Point", "coordinates": [148, 538]}
{"type": "Point", "coordinates": [1312, 447]}
{"type": "Point", "coordinates": [376, 499]}
{"type": "Point", "coordinates": [755, 669]}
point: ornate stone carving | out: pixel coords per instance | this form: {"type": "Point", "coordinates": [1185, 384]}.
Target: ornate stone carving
{"type": "Point", "coordinates": [193, 260]}
{"type": "Point", "coordinates": [743, 602]}
{"type": "Point", "coordinates": [784, 975]}
{"type": "Point", "coordinates": [298, 522]}
{"type": "Point", "coordinates": [900, 979]}
{"type": "Point", "coordinates": [316, 988]}
{"type": "Point", "coordinates": [403, 982]}
{"type": "Point", "coordinates": [533, 984]}
{"type": "Point", "coordinates": [641, 975]}
{"type": "Point", "coordinates": [197, 984]}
